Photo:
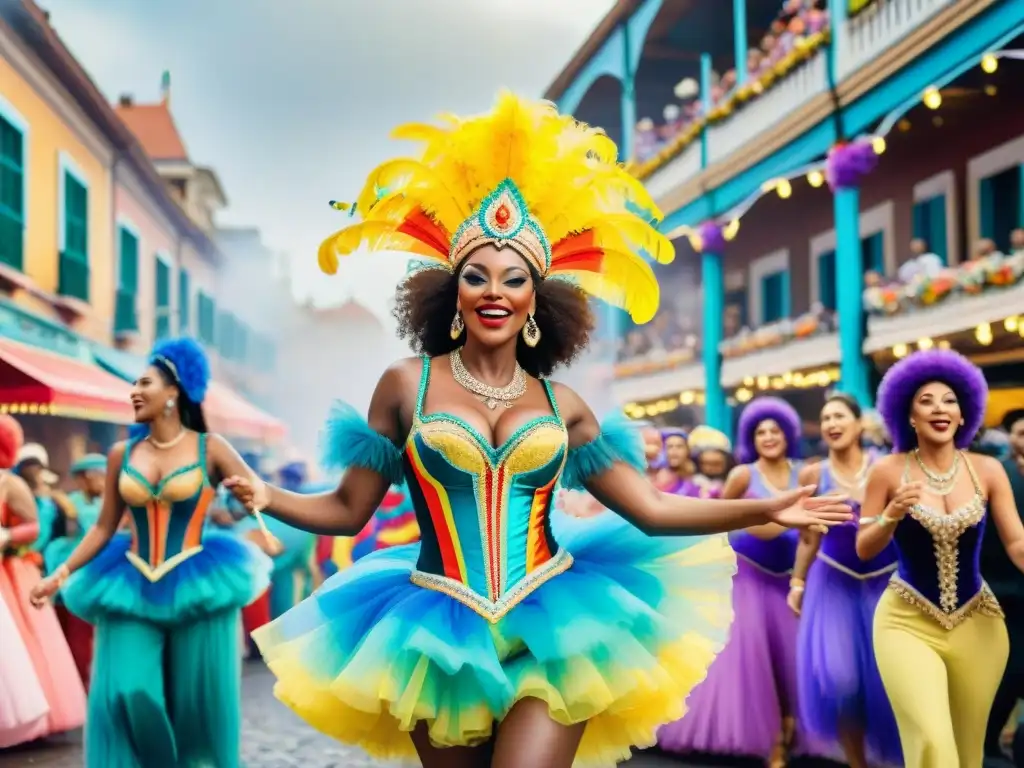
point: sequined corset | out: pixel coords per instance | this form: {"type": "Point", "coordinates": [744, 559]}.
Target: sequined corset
{"type": "Point", "coordinates": [167, 518]}
{"type": "Point", "coordinates": [776, 555]}
{"type": "Point", "coordinates": [483, 512]}
{"type": "Point", "coordinates": [839, 547]}
{"type": "Point", "coordinates": [940, 559]}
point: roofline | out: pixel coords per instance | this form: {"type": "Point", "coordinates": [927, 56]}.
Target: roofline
{"type": "Point", "coordinates": [73, 76]}
{"type": "Point", "coordinates": [620, 12]}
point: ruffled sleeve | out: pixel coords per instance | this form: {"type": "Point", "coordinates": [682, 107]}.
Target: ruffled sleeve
{"type": "Point", "coordinates": [619, 441]}
{"type": "Point", "coordinates": [348, 441]}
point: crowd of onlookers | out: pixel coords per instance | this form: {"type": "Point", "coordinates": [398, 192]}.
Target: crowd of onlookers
{"type": "Point", "coordinates": [797, 19]}
{"type": "Point", "coordinates": [674, 337]}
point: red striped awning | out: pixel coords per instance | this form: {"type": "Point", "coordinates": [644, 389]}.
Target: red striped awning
{"type": "Point", "coordinates": [230, 414]}
{"type": "Point", "coordinates": [37, 381]}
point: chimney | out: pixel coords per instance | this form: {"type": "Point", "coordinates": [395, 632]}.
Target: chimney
{"type": "Point", "coordinates": [126, 100]}
{"type": "Point", "coordinates": [165, 88]}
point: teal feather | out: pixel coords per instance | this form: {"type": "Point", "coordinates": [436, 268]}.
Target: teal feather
{"type": "Point", "coordinates": [619, 441]}
{"type": "Point", "coordinates": [348, 441]}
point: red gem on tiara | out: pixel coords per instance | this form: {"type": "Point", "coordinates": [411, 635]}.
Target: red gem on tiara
{"type": "Point", "coordinates": [502, 215]}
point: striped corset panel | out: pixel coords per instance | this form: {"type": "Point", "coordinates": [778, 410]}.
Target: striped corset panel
{"type": "Point", "coordinates": [166, 523]}
{"type": "Point", "coordinates": [483, 512]}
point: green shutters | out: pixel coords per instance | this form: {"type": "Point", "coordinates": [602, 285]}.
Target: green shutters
{"type": "Point", "coordinates": [126, 302]}
{"type": "Point", "coordinates": [775, 296]}
{"type": "Point", "coordinates": [184, 303]}
{"type": "Point", "coordinates": [207, 317]}
{"type": "Point", "coordinates": [74, 253]}
{"type": "Point", "coordinates": [12, 194]}
{"type": "Point", "coordinates": [827, 279]}
{"type": "Point", "coordinates": [1002, 205]}
{"type": "Point", "coordinates": [163, 299]}
{"type": "Point", "coordinates": [929, 221]}
{"type": "Point", "coordinates": [872, 253]}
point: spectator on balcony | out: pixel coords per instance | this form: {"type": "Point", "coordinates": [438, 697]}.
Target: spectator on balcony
{"type": "Point", "coordinates": [1017, 241]}
{"type": "Point", "coordinates": [922, 263]}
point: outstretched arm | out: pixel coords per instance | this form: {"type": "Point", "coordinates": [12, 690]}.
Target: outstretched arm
{"type": "Point", "coordinates": [736, 486]}
{"type": "Point", "coordinates": [621, 488]}
{"type": "Point", "coordinates": [345, 510]}
{"type": "Point", "coordinates": [1003, 508]}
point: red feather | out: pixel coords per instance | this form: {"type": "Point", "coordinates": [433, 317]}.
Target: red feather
{"type": "Point", "coordinates": [423, 228]}
{"type": "Point", "coordinates": [577, 252]}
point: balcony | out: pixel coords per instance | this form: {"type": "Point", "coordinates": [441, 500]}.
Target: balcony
{"type": "Point", "coordinates": [880, 26]}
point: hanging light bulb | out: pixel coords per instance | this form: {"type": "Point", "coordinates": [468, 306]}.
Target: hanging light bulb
{"type": "Point", "coordinates": [731, 230]}
{"type": "Point", "coordinates": [1011, 323]}
{"type": "Point", "coordinates": [899, 351]}
{"type": "Point", "coordinates": [983, 334]}
{"type": "Point", "coordinates": [989, 63]}
{"type": "Point", "coordinates": [925, 343]}
{"type": "Point", "coordinates": [815, 179]}
{"type": "Point", "coordinates": [878, 144]}
{"type": "Point", "coordinates": [784, 188]}
{"type": "Point", "coordinates": [932, 97]}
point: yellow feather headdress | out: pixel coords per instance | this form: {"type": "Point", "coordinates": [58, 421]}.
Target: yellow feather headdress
{"type": "Point", "coordinates": [521, 176]}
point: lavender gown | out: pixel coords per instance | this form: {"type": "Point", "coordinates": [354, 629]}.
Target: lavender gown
{"type": "Point", "coordinates": [838, 679]}
{"type": "Point", "coordinates": [737, 710]}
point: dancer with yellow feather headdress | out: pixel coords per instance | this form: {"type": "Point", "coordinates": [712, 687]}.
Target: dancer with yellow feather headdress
{"type": "Point", "coordinates": [493, 639]}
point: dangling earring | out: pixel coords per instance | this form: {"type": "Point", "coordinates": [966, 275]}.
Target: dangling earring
{"type": "Point", "coordinates": [913, 426]}
{"type": "Point", "coordinates": [169, 406]}
{"type": "Point", "coordinates": [531, 332]}
{"type": "Point", "coordinates": [458, 326]}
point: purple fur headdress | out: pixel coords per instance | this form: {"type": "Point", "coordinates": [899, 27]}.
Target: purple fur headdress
{"type": "Point", "coordinates": [903, 380]}
{"type": "Point", "coordinates": [762, 409]}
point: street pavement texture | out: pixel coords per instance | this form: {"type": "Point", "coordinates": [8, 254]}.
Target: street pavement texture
{"type": "Point", "coordinates": [272, 738]}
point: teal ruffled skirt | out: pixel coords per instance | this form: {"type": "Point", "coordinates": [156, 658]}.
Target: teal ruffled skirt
{"type": "Point", "coordinates": [226, 573]}
{"type": "Point", "coordinates": [619, 640]}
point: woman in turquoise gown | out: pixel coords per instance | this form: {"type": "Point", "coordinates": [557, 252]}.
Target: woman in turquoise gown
{"type": "Point", "coordinates": [493, 641]}
{"type": "Point", "coordinates": [165, 597]}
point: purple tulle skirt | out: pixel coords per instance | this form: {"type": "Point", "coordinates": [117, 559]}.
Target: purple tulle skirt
{"type": "Point", "coordinates": [738, 709]}
{"type": "Point", "coordinates": [837, 676]}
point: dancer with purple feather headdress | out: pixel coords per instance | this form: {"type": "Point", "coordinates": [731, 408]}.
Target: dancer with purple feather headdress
{"type": "Point", "coordinates": [747, 704]}
{"type": "Point", "coordinates": [939, 634]}
{"type": "Point", "coordinates": [841, 698]}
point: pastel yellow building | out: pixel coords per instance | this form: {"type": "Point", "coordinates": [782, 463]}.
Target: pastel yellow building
{"type": "Point", "coordinates": [56, 193]}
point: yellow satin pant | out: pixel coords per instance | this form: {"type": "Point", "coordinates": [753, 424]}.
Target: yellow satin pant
{"type": "Point", "coordinates": [940, 682]}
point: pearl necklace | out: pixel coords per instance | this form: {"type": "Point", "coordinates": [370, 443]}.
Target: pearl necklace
{"type": "Point", "coordinates": [170, 443]}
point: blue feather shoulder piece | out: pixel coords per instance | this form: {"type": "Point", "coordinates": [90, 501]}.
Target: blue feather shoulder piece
{"type": "Point", "coordinates": [619, 441]}
{"type": "Point", "coordinates": [348, 441]}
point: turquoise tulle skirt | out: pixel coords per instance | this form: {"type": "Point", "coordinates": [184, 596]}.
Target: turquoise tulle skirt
{"type": "Point", "coordinates": [226, 573]}
{"type": "Point", "coordinates": [619, 639]}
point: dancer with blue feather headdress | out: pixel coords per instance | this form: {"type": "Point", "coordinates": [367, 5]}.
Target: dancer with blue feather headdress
{"type": "Point", "coordinates": [165, 598]}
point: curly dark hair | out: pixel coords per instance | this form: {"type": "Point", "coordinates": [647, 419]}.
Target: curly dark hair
{"type": "Point", "coordinates": [425, 305]}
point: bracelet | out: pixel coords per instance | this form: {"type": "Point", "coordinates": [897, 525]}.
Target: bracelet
{"type": "Point", "coordinates": [883, 520]}
{"type": "Point", "coordinates": [795, 588]}
{"type": "Point", "coordinates": [797, 583]}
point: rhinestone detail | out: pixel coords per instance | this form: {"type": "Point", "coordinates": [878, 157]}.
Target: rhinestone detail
{"type": "Point", "coordinates": [493, 611]}
{"type": "Point", "coordinates": [984, 602]}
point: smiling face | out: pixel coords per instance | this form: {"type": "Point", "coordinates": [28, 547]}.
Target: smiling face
{"type": "Point", "coordinates": [677, 452]}
{"type": "Point", "coordinates": [150, 394]}
{"type": "Point", "coordinates": [713, 464]}
{"type": "Point", "coordinates": [769, 440]}
{"type": "Point", "coordinates": [839, 426]}
{"type": "Point", "coordinates": [496, 294]}
{"type": "Point", "coordinates": [935, 414]}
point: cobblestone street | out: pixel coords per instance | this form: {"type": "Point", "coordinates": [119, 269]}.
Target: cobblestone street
{"type": "Point", "coordinates": [272, 738]}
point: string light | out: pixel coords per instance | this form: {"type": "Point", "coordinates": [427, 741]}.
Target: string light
{"type": "Point", "coordinates": [932, 98]}
{"type": "Point", "coordinates": [925, 343]}
{"type": "Point", "coordinates": [983, 334]}
{"type": "Point", "coordinates": [1011, 323]}
{"type": "Point", "coordinates": [784, 189]}
{"type": "Point", "coordinates": [731, 229]}
{"type": "Point", "coordinates": [815, 178]}
{"type": "Point", "coordinates": [878, 144]}
{"type": "Point", "coordinates": [899, 351]}
{"type": "Point", "coordinates": [989, 63]}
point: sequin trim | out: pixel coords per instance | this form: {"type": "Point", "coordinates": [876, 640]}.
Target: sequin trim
{"type": "Point", "coordinates": [493, 611]}
{"type": "Point", "coordinates": [946, 530]}
{"type": "Point", "coordinates": [852, 573]}
{"type": "Point", "coordinates": [983, 602]}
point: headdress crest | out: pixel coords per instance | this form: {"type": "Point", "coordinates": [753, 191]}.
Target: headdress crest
{"type": "Point", "coordinates": [522, 176]}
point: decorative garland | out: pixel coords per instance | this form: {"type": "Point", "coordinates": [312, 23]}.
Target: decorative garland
{"type": "Point", "coordinates": [803, 49]}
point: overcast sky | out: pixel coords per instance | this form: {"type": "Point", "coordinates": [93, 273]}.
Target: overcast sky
{"type": "Point", "coordinates": [291, 101]}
